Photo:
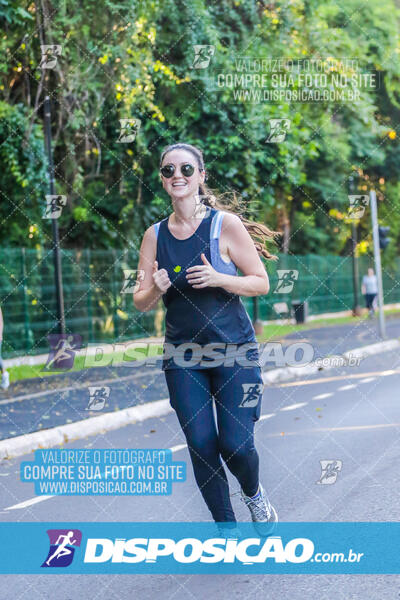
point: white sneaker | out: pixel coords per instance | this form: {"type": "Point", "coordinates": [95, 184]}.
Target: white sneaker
{"type": "Point", "coordinates": [262, 512]}
{"type": "Point", "coordinates": [5, 380]}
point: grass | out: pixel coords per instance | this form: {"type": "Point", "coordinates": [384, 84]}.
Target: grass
{"type": "Point", "coordinates": [270, 332]}
{"type": "Point", "coordinates": [274, 331]}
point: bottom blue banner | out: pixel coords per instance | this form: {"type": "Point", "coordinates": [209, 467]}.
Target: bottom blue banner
{"type": "Point", "coordinates": [350, 547]}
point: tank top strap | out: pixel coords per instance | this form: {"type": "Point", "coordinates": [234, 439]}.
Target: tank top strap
{"type": "Point", "coordinates": [157, 226]}
{"type": "Point", "coordinates": [216, 260]}
{"type": "Point", "coordinates": [216, 224]}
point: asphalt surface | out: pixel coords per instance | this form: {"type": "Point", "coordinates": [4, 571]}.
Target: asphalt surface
{"type": "Point", "coordinates": [342, 338]}
{"type": "Point", "coordinates": [42, 403]}
{"type": "Point", "coordinates": [349, 414]}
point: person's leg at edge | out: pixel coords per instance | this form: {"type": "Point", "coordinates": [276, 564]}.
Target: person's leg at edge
{"type": "Point", "coordinates": [5, 377]}
{"type": "Point", "coordinates": [190, 397]}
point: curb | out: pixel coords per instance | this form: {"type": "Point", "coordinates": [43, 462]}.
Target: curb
{"type": "Point", "coordinates": [24, 444]}
{"type": "Point", "coordinates": [287, 373]}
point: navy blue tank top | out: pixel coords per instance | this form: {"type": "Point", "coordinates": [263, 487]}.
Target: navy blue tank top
{"type": "Point", "coordinates": [206, 315]}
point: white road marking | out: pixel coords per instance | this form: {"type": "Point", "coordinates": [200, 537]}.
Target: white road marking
{"type": "Point", "coordinates": [267, 416]}
{"type": "Point", "coordinates": [294, 406]}
{"type": "Point", "coordinates": [350, 386]}
{"type": "Point", "coordinates": [367, 379]}
{"type": "Point", "coordinates": [336, 378]}
{"type": "Point", "coordinates": [29, 502]}
{"type": "Point", "coordinates": [346, 428]}
{"type": "Point", "coordinates": [179, 447]}
{"type": "Point", "coordinates": [322, 396]}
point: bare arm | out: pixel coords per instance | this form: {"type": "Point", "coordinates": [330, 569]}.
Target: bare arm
{"type": "Point", "coordinates": [242, 251]}
{"type": "Point", "coordinates": [155, 281]}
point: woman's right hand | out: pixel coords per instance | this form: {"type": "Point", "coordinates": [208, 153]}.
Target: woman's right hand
{"type": "Point", "coordinates": [161, 278]}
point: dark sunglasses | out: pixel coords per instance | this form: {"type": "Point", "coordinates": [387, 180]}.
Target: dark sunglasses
{"type": "Point", "coordinates": [187, 170]}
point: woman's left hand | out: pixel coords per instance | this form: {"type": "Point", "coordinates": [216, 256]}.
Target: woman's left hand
{"type": "Point", "coordinates": [201, 276]}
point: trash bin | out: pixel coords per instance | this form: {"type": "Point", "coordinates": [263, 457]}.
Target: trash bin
{"type": "Point", "coordinates": [300, 309]}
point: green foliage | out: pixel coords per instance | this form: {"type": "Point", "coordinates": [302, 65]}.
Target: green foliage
{"type": "Point", "coordinates": [134, 59]}
{"type": "Point", "coordinates": [23, 178]}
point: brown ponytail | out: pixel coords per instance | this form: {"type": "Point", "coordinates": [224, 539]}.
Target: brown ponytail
{"type": "Point", "coordinates": [229, 202]}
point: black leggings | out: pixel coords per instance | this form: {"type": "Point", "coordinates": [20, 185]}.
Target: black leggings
{"type": "Point", "coordinates": [238, 392]}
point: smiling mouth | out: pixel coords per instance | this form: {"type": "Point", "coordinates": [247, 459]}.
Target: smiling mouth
{"type": "Point", "coordinates": [180, 184]}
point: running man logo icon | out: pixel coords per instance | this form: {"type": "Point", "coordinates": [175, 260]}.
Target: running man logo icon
{"type": "Point", "coordinates": [54, 206]}
{"type": "Point", "coordinates": [128, 130]}
{"type": "Point", "coordinates": [62, 354]}
{"type": "Point", "coordinates": [330, 470]}
{"type": "Point", "coordinates": [252, 393]}
{"type": "Point", "coordinates": [132, 280]}
{"type": "Point", "coordinates": [279, 129]}
{"type": "Point", "coordinates": [200, 206]}
{"type": "Point", "coordinates": [357, 207]}
{"type": "Point", "coordinates": [49, 56]}
{"type": "Point", "coordinates": [98, 397]}
{"type": "Point", "coordinates": [62, 547]}
{"type": "Point", "coordinates": [287, 279]}
{"type": "Point", "coordinates": [202, 56]}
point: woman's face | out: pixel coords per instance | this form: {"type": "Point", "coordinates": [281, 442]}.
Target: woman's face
{"type": "Point", "coordinates": [181, 186]}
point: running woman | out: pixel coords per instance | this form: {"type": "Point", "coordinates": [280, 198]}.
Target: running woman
{"type": "Point", "coordinates": [190, 258]}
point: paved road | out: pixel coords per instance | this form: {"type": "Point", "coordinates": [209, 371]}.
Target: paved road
{"type": "Point", "coordinates": [342, 338]}
{"type": "Point", "coordinates": [349, 415]}
{"type": "Point", "coordinates": [37, 404]}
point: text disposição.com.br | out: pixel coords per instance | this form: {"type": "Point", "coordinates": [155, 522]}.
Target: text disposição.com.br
{"type": "Point", "coordinates": [212, 550]}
